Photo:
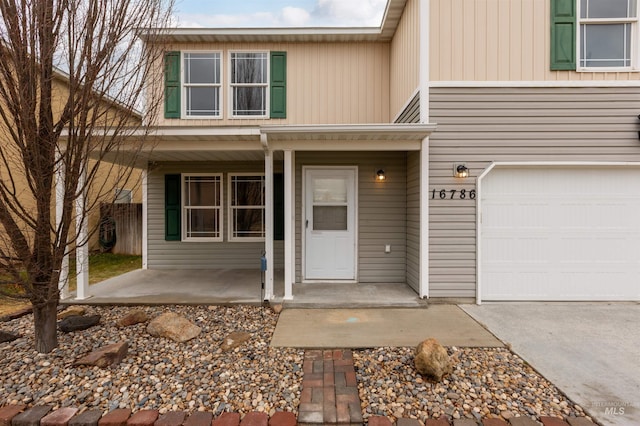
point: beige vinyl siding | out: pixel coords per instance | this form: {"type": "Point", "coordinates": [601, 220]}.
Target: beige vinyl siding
{"type": "Point", "coordinates": [381, 211]}
{"type": "Point", "coordinates": [405, 57]}
{"type": "Point", "coordinates": [413, 220]}
{"type": "Point", "coordinates": [483, 125]}
{"type": "Point", "coordinates": [497, 40]}
{"type": "Point", "coordinates": [327, 83]}
{"type": "Point", "coordinates": [200, 255]}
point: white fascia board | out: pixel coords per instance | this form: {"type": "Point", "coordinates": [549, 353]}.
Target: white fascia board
{"type": "Point", "coordinates": [417, 129]}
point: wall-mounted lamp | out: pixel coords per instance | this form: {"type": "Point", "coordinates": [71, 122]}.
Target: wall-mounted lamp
{"type": "Point", "coordinates": [380, 176]}
{"type": "Point", "coordinates": [460, 170]}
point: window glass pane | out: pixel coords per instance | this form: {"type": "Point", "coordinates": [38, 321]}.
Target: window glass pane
{"type": "Point", "coordinates": [248, 67]}
{"type": "Point", "coordinates": [203, 223]}
{"type": "Point", "coordinates": [248, 223]}
{"type": "Point", "coordinates": [330, 190]}
{"type": "Point", "coordinates": [202, 191]}
{"type": "Point", "coordinates": [606, 45]}
{"type": "Point", "coordinates": [202, 68]}
{"type": "Point", "coordinates": [329, 218]}
{"type": "Point", "coordinates": [607, 8]}
{"type": "Point", "coordinates": [247, 191]}
{"type": "Point", "coordinates": [249, 100]}
{"type": "Point", "coordinates": [203, 101]}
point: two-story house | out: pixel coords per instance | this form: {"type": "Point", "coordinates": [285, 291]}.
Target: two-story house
{"type": "Point", "coordinates": [476, 149]}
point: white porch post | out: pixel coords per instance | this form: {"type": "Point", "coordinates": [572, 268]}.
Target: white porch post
{"type": "Point", "coordinates": [82, 244]}
{"type": "Point", "coordinates": [145, 195]}
{"type": "Point", "coordinates": [289, 220]}
{"type": "Point", "coordinates": [268, 237]}
{"type": "Point", "coordinates": [63, 280]}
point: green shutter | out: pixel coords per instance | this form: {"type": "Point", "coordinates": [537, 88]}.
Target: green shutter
{"type": "Point", "coordinates": [278, 207]}
{"type": "Point", "coordinates": [563, 34]}
{"type": "Point", "coordinates": [172, 207]}
{"type": "Point", "coordinates": [172, 85]}
{"type": "Point", "coordinates": [278, 84]}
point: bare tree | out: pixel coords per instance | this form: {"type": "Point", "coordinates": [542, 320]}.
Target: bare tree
{"type": "Point", "coordinates": [72, 75]}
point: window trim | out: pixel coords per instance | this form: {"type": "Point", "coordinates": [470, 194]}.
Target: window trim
{"type": "Point", "coordinates": [635, 34]}
{"type": "Point", "coordinates": [184, 209]}
{"type": "Point", "coordinates": [266, 85]}
{"type": "Point", "coordinates": [184, 85]}
{"type": "Point", "coordinates": [230, 208]}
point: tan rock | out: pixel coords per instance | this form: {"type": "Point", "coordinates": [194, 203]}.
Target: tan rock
{"type": "Point", "coordinates": [134, 317]}
{"type": "Point", "coordinates": [277, 308]}
{"type": "Point", "coordinates": [174, 327]}
{"type": "Point", "coordinates": [234, 340]}
{"type": "Point", "coordinates": [105, 356]}
{"type": "Point", "coordinates": [72, 310]}
{"type": "Point", "coordinates": [432, 361]}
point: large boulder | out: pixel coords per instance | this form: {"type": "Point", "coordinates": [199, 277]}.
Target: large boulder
{"type": "Point", "coordinates": [78, 322]}
{"type": "Point", "coordinates": [134, 317]}
{"type": "Point", "coordinates": [105, 356]}
{"type": "Point", "coordinates": [174, 327]}
{"type": "Point", "coordinates": [5, 336]}
{"type": "Point", "coordinates": [432, 361]}
{"type": "Point", "coordinates": [71, 311]}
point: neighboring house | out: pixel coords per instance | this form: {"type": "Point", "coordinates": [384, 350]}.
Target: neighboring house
{"type": "Point", "coordinates": [468, 149]}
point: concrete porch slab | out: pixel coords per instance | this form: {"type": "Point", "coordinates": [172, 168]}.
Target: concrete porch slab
{"type": "Point", "coordinates": [366, 328]}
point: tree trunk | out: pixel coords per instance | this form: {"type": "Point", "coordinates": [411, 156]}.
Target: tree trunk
{"type": "Point", "coordinates": [45, 322]}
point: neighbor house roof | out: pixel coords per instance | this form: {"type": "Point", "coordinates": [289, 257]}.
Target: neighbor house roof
{"type": "Point", "coordinates": [385, 32]}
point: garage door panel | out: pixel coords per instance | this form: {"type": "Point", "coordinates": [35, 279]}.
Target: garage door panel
{"type": "Point", "coordinates": [559, 233]}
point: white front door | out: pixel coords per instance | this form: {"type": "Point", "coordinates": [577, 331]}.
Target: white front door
{"type": "Point", "coordinates": [330, 223]}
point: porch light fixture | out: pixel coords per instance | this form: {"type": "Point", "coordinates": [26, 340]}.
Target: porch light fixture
{"type": "Point", "coordinates": [380, 176]}
{"type": "Point", "coordinates": [460, 170]}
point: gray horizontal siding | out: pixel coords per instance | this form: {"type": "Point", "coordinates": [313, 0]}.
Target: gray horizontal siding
{"type": "Point", "coordinates": [479, 126]}
{"type": "Point", "coordinates": [381, 212]}
{"type": "Point", "coordinates": [200, 255]}
{"type": "Point", "coordinates": [411, 113]}
{"type": "Point", "coordinates": [413, 220]}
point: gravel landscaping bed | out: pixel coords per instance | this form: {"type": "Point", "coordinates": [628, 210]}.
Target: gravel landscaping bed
{"type": "Point", "coordinates": [157, 372]}
{"type": "Point", "coordinates": [486, 382]}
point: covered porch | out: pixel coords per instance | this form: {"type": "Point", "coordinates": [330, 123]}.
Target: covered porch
{"type": "Point", "coordinates": [238, 286]}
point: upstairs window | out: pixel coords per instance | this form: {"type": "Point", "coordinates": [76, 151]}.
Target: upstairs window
{"type": "Point", "coordinates": [202, 84]}
{"type": "Point", "coordinates": [607, 33]}
{"type": "Point", "coordinates": [249, 82]}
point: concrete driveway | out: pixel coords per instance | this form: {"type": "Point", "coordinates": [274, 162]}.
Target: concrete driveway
{"type": "Point", "coordinates": [590, 351]}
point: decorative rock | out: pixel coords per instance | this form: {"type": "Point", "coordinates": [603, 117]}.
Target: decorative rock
{"type": "Point", "coordinates": [7, 337]}
{"type": "Point", "coordinates": [78, 322]}
{"type": "Point", "coordinates": [105, 356]}
{"type": "Point", "coordinates": [431, 360]}
{"type": "Point", "coordinates": [277, 308]}
{"type": "Point", "coordinates": [72, 311]}
{"type": "Point", "coordinates": [234, 340]}
{"type": "Point", "coordinates": [134, 317]}
{"type": "Point", "coordinates": [174, 327]}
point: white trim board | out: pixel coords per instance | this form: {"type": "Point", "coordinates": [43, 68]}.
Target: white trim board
{"type": "Point", "coordinates": [551, 83]}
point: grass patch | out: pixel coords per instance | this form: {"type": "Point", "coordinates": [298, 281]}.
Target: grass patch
{"type": "Point", "coordinates": [101, 267]}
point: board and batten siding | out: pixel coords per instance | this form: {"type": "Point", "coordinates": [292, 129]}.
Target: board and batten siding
{"type": "Point", "coordinates": [405, 57]}
{"type": "Point", "coordinates": [479, 126]}
{"type": "Point", "coordinates": [381, 211]}
{"type": "Point", "coordinates": [327, 83]}
{"type": "Point", "coordinates": [497, 40]}
{"type": "Point", "coordinates": [200, 255]}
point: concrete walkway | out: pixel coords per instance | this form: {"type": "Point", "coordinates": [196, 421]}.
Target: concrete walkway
{"type": "Point", "coordinates": [366, 328]}
{"type": "Point", "coordinates": [590, 351]}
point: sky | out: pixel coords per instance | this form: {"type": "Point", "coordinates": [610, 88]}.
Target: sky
{"type": "Point", "coordinates": [278, 13]}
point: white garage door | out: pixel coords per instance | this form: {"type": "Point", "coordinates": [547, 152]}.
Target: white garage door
{"type": "Point", "coordinates": [560, 233]}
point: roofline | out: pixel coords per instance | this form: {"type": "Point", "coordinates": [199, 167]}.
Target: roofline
{"type": "Point", "coordinates": [384, 32]}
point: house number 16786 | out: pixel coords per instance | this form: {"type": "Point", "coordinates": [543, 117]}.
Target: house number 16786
{"type": "Point", "coordinates": [453, 194]}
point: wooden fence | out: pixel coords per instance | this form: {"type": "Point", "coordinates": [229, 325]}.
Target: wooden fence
{"type": "Point", "coordinates": [128, 226]}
